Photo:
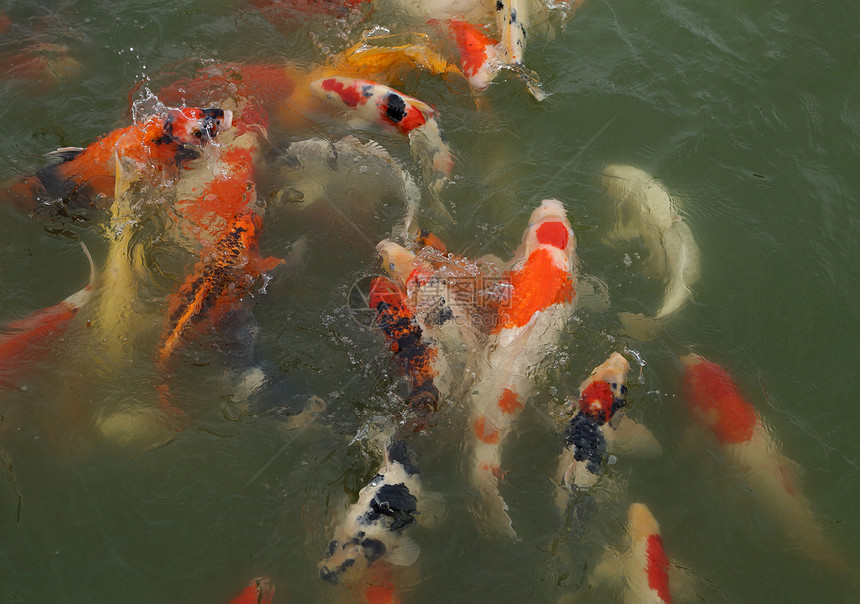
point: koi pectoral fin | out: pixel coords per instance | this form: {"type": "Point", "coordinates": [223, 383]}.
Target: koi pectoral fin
{"type": "Point", "coordinates": [266, 265]}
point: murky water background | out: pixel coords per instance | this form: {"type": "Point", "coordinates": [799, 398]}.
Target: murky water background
{"type": "Point", "coordinates": [749, 114]}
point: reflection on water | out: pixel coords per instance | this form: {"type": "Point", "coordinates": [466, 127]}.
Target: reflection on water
{"type": "Point", "coordinates": [115, 488]}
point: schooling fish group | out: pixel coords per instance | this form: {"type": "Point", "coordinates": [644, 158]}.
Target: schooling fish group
{"type": "Point", "coordinates": [467, 333]}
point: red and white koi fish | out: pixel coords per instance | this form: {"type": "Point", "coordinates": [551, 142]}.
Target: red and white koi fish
{"type": "Point", "coordinates": [23, 341]}
{"type": "Point", "coordinates": [371, 104]}
{"type": "Point", "coordinates": [259, 591]}
{"type": "Point", "coordinates": [643, 566]}
{"type": "Point", "coordinates": [599, 427]}
{"type": "Point", "coordinates": [478, 52]}
{"type": "Point", "coordinates": [542, 300]}
{"type": "Point", "coordinates": [158, 146]}
{"type": "Point", "coordinates": [740, 435]}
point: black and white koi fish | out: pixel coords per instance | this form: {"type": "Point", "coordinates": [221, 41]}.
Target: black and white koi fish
{"type": "Point", "coordinates": [373, 526]}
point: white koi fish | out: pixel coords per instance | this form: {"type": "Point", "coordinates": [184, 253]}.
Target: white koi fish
{"type": "Point", "coordinates": [373, 526]}
{"type": "Point", "coordinates": [542, 300]}
{"type": "Point", "coordinates": [646, 210]}
{"type": "Point", "coordinates": [599, 427]}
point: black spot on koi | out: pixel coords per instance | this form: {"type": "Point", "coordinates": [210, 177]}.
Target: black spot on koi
{"type": "Point", "coordinates": [395, 107]}
{"type": "Point", "coordinates": [586, 440]}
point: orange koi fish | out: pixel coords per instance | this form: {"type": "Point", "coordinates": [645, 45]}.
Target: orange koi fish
{"type": "Point", "coordinates": [542, 300]}
{"type": "Point", "coordinates": [259, 591]}
{"type": "Point", "coordinates": [24, 340]}
{"type": "Point", "coordinates": [642, 566]}
{"type": "Point", "coordinates": [599, 427]}
{"type": "Point", "coordinates": [405, 339]}
{"type": "Point", "coordinates": [740, 435]}
{"type": "Point", "coordinates": [159, 145]}
{"type": "Point", "coordinates": [220, 280]}
{"type": "Point", "coordinates": [478, 52]}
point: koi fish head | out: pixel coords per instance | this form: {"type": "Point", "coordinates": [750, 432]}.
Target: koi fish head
{"type": "Point", "coordinates": [549, 228]}
{"type": "Point", "coordinates": [372, 529]}
{"type": "Point", "coordinates": [605, 391]}
{"type": "Point", "coordinates": [715, 402]}
{"type": "Point", "coordinates": [397, 261]}
{"type": "Point", "coordinates": [373, 103]}
{"type": "Point", "coordinates": [193, 126]}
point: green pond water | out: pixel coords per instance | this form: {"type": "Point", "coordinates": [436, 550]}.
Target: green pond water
{"type": "Point", "coordinates": [748, 113]}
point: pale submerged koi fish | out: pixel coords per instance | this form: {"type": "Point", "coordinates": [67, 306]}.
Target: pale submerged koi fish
{"type": "Point", "coordinates": [648, 211]}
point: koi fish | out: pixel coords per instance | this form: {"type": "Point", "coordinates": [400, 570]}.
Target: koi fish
{"type": "Point", "coordinates": [452, 298]}
{"type": "Point", "coordinates": [744, 441]}
{"type": "Point", "coordinates": [41, 65]}
{"type": "Point", "coordinates": [220, 280]}
{"type": "Point", "coordinates": [159, 145]}
{"type": "Point", "coordinates": [512, 19]}
{"type": "Point", "coordinates": [541, 301]}
{"type": "Point", "coordinates": [316, 174]}
{"type": "Point", "coordinates": [599, 427]}
{"type": "Point", "coordinates": [371, 104]}
{"type": "Point", "coordinates": [259, 591]}
{"type": "Point", "coordinates": [478, 52]}
{"type": "Point", "coordinates": [646, 210]}
{"type": "Point", "coordinates": [23, 340]}
{"type": "Point", "coordinates": [373, 527]}
{"type": "Point", "coordinates": [642, 566]}
{"type": "Point", "coordinates": [405, 339]}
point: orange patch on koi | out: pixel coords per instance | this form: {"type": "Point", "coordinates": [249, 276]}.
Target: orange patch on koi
{"type": "Point", "coordinates": [540, 283]}
{"type": "Point", "coordinates": [716, 402]}
{"type": "Point", "coordinates": [485, 431]}
{"type": "Point", "coordinates": [509, 402]}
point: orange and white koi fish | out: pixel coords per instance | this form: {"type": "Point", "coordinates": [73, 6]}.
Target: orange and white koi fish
{"type": "Point", "coordinates": [740, 435]}
{"type": "Point", "coordinates": [542, 300]}
{"type": "Point", "coordinates": [599, 427]}
{"type": "Point", "coordinates": [259, 591]}
{"type": "Point", "coordinates": [158, 146]}
{"type": "Point", "coordinates": [642, 567]}
{"type": "Point", "coordinates": [23, 341]}
{"type": "Point", "coordinates": [139, 153]}
{"type": "Point", "coordinates": [223, 277]}
{"type": "Point", "coordinates": [646, 210]}
{"type": "Point", "coordinates": [373, 527]}
{"type": "Point", "coordinates": [478, 52]}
